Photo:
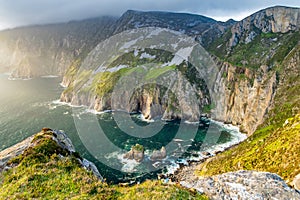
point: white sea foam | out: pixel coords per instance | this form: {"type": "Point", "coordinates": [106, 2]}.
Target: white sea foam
{"type": "Point", "coordinates": [188, 122]}
{"type": "Point", "coordinates": [58, 102]}
{"type": "Point", "coordinates": [236, 135]}
{"type": "Point", "coordinates": [128, 164]}
{"type": "Point", "coordinates": [49, 76]}
{"type": "Point", "coordinates": [142, 118]}
{"type": "Point", "coordinates": [18, 79]}
{"type": "Point", "coordinates": [93, 111]}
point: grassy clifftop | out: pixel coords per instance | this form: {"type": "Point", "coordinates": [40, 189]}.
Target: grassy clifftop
{"type": "Point", "coordinates": [47, 171]}
{"type": "Point", "coordinates": [275, 146]}
{"type": "Point", "coordinates": [274, 151]}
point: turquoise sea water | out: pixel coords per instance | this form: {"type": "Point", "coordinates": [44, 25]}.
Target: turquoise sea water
{"type": "Point", "coordinates": [26, 106]}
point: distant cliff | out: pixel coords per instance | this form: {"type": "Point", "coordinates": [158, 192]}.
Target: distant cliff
{"type": "Point", "coordinates": [50, 49]}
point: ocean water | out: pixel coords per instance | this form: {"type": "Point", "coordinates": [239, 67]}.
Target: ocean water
{"type": "Point", "coordinates": [26, 106]}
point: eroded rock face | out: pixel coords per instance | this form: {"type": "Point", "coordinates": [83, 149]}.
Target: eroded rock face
{"type": "Point", "coordinates": [244, 185]}
{"type": "Point", "coordinates": [245, 101]}
{"type": "Point", "coordinates": [272, 20]}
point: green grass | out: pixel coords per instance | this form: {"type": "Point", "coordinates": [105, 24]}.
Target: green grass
{"type": "Point", "coordinates": [267, 150]}
{"type": "Point", "coordinates": [262, 50]}
{"type": "Point", "coordinates": [274, 147]}
{"type": "Point", "coordinates": [156, 72]}
{"type": "Point", "coordinates": [42, 173]}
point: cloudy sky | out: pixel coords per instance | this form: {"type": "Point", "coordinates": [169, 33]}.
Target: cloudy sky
{"type": "Point", "coordinates": [23, 12]}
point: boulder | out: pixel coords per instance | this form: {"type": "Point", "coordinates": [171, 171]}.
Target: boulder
{"type": "Point", "coordinates": [296, 182]}
{"type": "Point", "coordinates": [136, 153]}
{"type": "Point", "coordinates": [159, 154]}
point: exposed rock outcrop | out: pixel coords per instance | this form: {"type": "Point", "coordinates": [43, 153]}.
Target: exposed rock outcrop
{"type": "Point", "coordinates": [247, 96]}
{"type": "Point", "coordinates": [296, 182]}
{"type": "Point", "coordinates": [244, 185]}
{"type": "Point", "coordinates": [159, 154]}
{"type": "Point", "coordinates": [136, 153]}
{"type": "Point", "coordinates": [59, 137]}
{"type": "Point", "coordinates": [271, 20]}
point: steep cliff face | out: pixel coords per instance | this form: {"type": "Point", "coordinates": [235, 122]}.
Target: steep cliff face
{"type": "Point", "coordinates": [50, 49]}
{"type": "Point", "coordinates": [252, 69]}
{"type": "Point", "coordinates": [272, 20]}
{"type": "Point", "coordinates": [247, 96]}
{"type": "Point", "coordinates": [152, 81]}
{"type": "Point", "coordinates": [244, 83]}
{"type": "Point", "coordinates": [251, 51]}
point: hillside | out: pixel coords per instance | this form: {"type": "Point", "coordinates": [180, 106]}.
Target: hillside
{"type": "Point", "coordinates": [274, 146]}
{"type": "Point", "coordinates": [47, 169]}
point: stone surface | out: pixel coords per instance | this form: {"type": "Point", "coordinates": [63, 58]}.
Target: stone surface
{"type": "Point", "coordinates": [13, 151]}
{"type": "Point", "coordinates": [242, 102]}
{"type": "Point", "coordinates": [271, 20]}
{"type": "Point", "coordinates": [59, 136]}
{"type": "Point", "coordinates": [135, 154]}
{"type": "Point", "coordinates": [296, 182]}
{"type": "Point", "coordinates": [243, 185]}
{"type": "Point", "coordinates": [159, 154]}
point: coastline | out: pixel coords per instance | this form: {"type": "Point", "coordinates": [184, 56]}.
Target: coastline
{"type": "Point", "coordinates": [177, 167]}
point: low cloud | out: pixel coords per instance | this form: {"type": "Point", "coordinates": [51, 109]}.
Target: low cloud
{"type": "Point", "coordinates": [19, 12]}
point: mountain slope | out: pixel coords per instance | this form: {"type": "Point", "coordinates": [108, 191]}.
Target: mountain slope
{"type": "Point", "coordinates": [50, 49]}
{"type": "Point", "coordinates": [204, 29]}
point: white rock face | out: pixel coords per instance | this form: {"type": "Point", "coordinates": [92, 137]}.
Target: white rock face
{"type": "Point", "coordinates": [244, 185]}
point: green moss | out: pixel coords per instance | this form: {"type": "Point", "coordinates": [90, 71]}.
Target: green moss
{"type": "Point", "coordinates": [132, 60]}
{"type": "Point", "coordinates": [138, 147]}
{"type": "Point", "coordinates": [208, 108]}
{"type": "Point", "coordinates": [104, 82]}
